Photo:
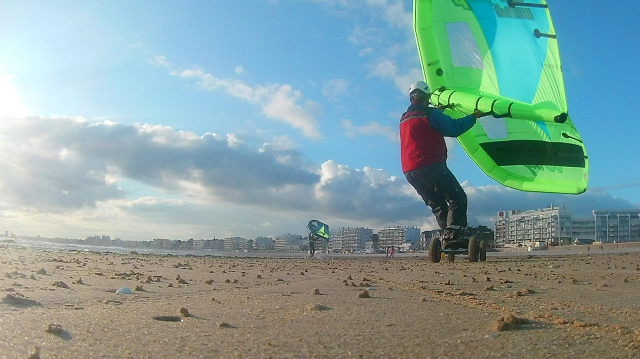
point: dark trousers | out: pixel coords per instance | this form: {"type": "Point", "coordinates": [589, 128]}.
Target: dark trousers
{"type": "Point", "coordinates": [441, 191]}
{"type": "Point", "coordinates": [312, 245]}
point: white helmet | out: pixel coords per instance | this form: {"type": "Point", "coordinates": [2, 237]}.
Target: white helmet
{"type": "Point", "coordinates": [420, 85]}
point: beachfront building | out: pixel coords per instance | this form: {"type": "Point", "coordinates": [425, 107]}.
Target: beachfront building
{"type": "Point", "coordinates": [246, 245]}
{"type": "Point", "coordinates": [349, 240]}
{"type": "Point", "coordinates": [98, 241]}
{"type": "Point", "coordinates": [427, 236]}
{"type": "Point", "coordinates": [264, 243]}
{"type": "Point", "coordinates": [162, 243]}
{"type": "Point", "coordinates": [583, 231]}
{"type": "Point", "coordinates": [617, 226]}
{"type": "Point", "coordinates": [215, 244]}
{"type": "Point", "coordinates": [290, 242]}
{"type": "Point", "coordinates": [199, 244]}
{"type": "Point", "coordinates": [534, 228]}
{"type": "Point", "coordinates": [233, 243]}
{"type": "Point", "coordinates": [401, 237]}
{"type": "Point", "coordinates": [556, 226]}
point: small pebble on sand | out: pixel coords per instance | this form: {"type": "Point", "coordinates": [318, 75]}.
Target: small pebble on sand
{"type": "Point", "coordinates": [316, 291]}
{"type": "Point", "coordinates": [167, 318]}
{"type": "Point", "coordinates": [184, 312]}
{"type": "Point", "coordinates": [60, 284]}
{"type": "Point", "coordinates": [55, 329]}
{"type": "Point", "coordinates": [313, 307]}
{"type": "Point", "coordinates": [508, 322]}
{"type": "Point", "coordinates": [19, 299]}
{"type": "Point", "coordinates": [364, 294]}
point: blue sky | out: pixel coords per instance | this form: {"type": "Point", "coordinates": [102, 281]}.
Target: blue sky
{"type": "Point", "coordinates": [149, 119]}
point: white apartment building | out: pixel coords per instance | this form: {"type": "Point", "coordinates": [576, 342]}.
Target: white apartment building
{"type": "Point", "coordinates": [556, 225]}
{"type": "Point", "coordinates": [617, 225]}
{"type": "Point", "coordinates": [264, 243]}
{"type": "Point", "coordinates": [233, 243]}
{"type": "Point", "coordinates": [399, 237]}
{"type": "Point", "coordinates": [548, 225]}
{"type": "Point", "coordinates": [288, 242]}
{"type": "Point", "coordinates": [427, 236]}
{"type": "Point", "coordinates": [349, 239]}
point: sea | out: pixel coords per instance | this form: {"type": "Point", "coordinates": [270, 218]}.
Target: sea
{"type": "Point", "coordinates": [609, 248]}
{"type": "Point", "coordinates": [52, 246]}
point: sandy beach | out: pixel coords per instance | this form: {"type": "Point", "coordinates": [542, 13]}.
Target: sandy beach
{"type": "Point", "coordinates": [557, 305]}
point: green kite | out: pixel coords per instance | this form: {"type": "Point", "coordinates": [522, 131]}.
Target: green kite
{"type": "Point", "coordinates": [501, 57]}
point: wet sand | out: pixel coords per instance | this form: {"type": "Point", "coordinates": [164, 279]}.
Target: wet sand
{"type": "Point", "coordinates": [568, 306]}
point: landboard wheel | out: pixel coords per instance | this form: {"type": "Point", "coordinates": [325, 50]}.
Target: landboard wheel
{"type": "Point", "coordinates": [482, 249]}
{"type": "Point", "coordinates": [474, 248]}
{"type": "Point", "coordinates": [451, 257]}
{"type": "Point", "coordinates": [435, 248]}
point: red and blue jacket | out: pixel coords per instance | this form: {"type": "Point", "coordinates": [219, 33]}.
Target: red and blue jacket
{"type": "Point", "coordinates": [422, 132]}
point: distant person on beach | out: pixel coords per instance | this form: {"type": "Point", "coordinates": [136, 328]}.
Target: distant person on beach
{"type": "Point", "coordinates": [386, 252]}
{"type": "Point", "coordinates": [312, 246]}
{"type": "Point", "coordinates": [392, 251]}
{"type": "Point", "coordinates": [424, 161]}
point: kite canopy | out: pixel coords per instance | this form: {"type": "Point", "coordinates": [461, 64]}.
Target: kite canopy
{"type": "Point", "coordinates": [318, 229]}
{"type": "Point", "coordinates": [502, 57]}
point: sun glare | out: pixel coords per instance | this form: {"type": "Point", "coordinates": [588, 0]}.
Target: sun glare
{"type": "Point", "coordinates": [10, 104]}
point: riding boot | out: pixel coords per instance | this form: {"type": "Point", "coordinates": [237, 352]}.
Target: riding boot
{"type": "Point", "coordinates": [453, 237]}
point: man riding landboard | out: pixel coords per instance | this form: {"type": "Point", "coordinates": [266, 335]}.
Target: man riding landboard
{"type": "Point", "coordinates": [424, 161]}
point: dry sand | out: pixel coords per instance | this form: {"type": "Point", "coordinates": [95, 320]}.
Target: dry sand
{"type": "Point", "coordinates": [508, 307]}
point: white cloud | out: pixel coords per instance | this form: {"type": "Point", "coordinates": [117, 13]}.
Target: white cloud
{"type": "Point", "coordinates": [335, 89]}
{"type": "Point", "coordinates": [384, 69]}
{"type": "Point", "coordinates": [394, 13]}
{"type": "Point", "coordinates": [377, 41]}
{"type": "Point", "coordinates": [65, 174]}
{"type": "Point", "coordinates": [369, 129]}
{"type": "Point", "coordinates": [283, 105]}
{"type": "Point", "coordinates": [159, 61]}
{"type": "Point", "coordinates": [366, 37]}
{"type": "Point", "coordinates": [83, 169]}
{"type": "Point", "coordinates": [239, 70]}
{"type": "Point", "coordinates": [404, 81]}
{"type": "Point", "coordinates": [387, 69]}
{"type": "Point", "coordinates": [278, 102]}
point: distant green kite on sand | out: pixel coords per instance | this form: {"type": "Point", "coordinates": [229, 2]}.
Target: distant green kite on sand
{"type": "Point", "coordinates": [501, 57]}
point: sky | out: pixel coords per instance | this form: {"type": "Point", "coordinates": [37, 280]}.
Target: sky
{"type": "Point", "coordinates": [202, 119]}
